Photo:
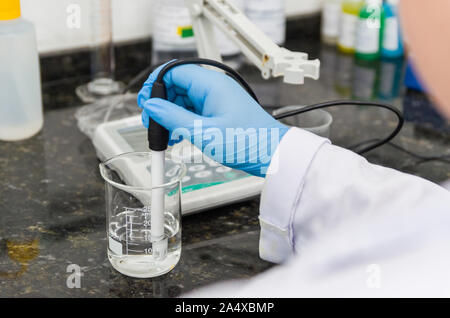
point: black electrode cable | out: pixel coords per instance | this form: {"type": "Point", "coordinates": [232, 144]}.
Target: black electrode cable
{"type": "Point", "coordinates": [376, 144]}
{"type": "Point", "coordinates": [442, 158]}
{"type": "Point", "coordinates": [200, 61]}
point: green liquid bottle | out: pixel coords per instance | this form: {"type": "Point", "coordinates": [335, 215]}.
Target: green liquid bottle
{"type": "Point", "coordinates": [369, 30]}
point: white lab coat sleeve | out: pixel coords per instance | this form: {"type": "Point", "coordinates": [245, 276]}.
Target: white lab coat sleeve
{"type": "Point", "coordinates": [281, 193]}
{"type": "Point", "coordinates": [346, 228]}
{"type": "Point", "coordinates": [313, 186]}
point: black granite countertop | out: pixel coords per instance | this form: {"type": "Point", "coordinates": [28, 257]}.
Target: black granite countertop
{"type": "Point", "coordinates": [52, 210]}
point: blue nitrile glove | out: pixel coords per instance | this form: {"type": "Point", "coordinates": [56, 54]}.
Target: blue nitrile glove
{"type": "Point", "coordinates": [216, 114]}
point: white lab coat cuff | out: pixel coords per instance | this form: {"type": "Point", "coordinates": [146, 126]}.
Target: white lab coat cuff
{"type": "Point", "coordinates": [282, 189]}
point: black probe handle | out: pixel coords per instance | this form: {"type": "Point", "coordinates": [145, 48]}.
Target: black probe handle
{"type": "Point", "coordinates": [158, 136]}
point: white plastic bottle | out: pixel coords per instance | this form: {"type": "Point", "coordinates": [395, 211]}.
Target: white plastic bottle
{"type": "Point", "coordinates": [331, 14]}
{"type": "Point", "coordinates": [172, 26]}
{"type": "Point", "coordinates": [269, 16]}
{"type": "Point", "coordinates": [348, 25]}
{"type": "Point", "coordinates": [21, 113]}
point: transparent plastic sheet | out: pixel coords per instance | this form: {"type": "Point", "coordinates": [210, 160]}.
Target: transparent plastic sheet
{"type": "Point", "coordinates": [104, 110]}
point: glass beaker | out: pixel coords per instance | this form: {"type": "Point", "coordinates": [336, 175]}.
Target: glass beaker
{"type": "Point", "coordinates": [128, 189]}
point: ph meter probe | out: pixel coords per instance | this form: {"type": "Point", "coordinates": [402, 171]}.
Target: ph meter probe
{"type": "Point", "coordinates": [158, 139]}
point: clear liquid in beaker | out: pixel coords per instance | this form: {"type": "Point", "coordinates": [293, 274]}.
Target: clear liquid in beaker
{"type": "Point", "coordinates": [130, 248]}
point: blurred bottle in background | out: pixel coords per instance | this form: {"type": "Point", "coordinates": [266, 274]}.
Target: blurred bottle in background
{"type": "Point", "coordinates": [173, 36]}
{"type": "Point", "coordinates": [331, 14]}
{"type": "Point", "coordinates": [348, 25]}
{"type": "Point", "coordinates": [369, 30]}
{"type": "Point", "coordinates": [392, 45]}
{"type": "Point", "coordinates": [172, 27]}
{"type": "Point", "coordinates": [269, 16]}
{"type": "Point", "coordinates": [21, 114]}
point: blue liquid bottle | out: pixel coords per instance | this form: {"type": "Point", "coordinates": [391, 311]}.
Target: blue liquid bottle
{"type": "Point", "coordinates": [392, 44]}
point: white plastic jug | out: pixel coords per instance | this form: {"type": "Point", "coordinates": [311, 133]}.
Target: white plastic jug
{"type": "Point", "coordinates": [21, 114]}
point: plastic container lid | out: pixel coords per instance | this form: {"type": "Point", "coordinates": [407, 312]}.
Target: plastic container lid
{"type": "Point", "coordinates": [9, 9]}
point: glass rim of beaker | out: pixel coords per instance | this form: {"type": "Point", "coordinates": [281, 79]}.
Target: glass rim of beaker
{"type": "Point", "coordinates": [135, 188]}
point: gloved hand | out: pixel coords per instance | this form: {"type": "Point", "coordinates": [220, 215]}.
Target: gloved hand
{"type": "Point", "coordinates": [216, 114]}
